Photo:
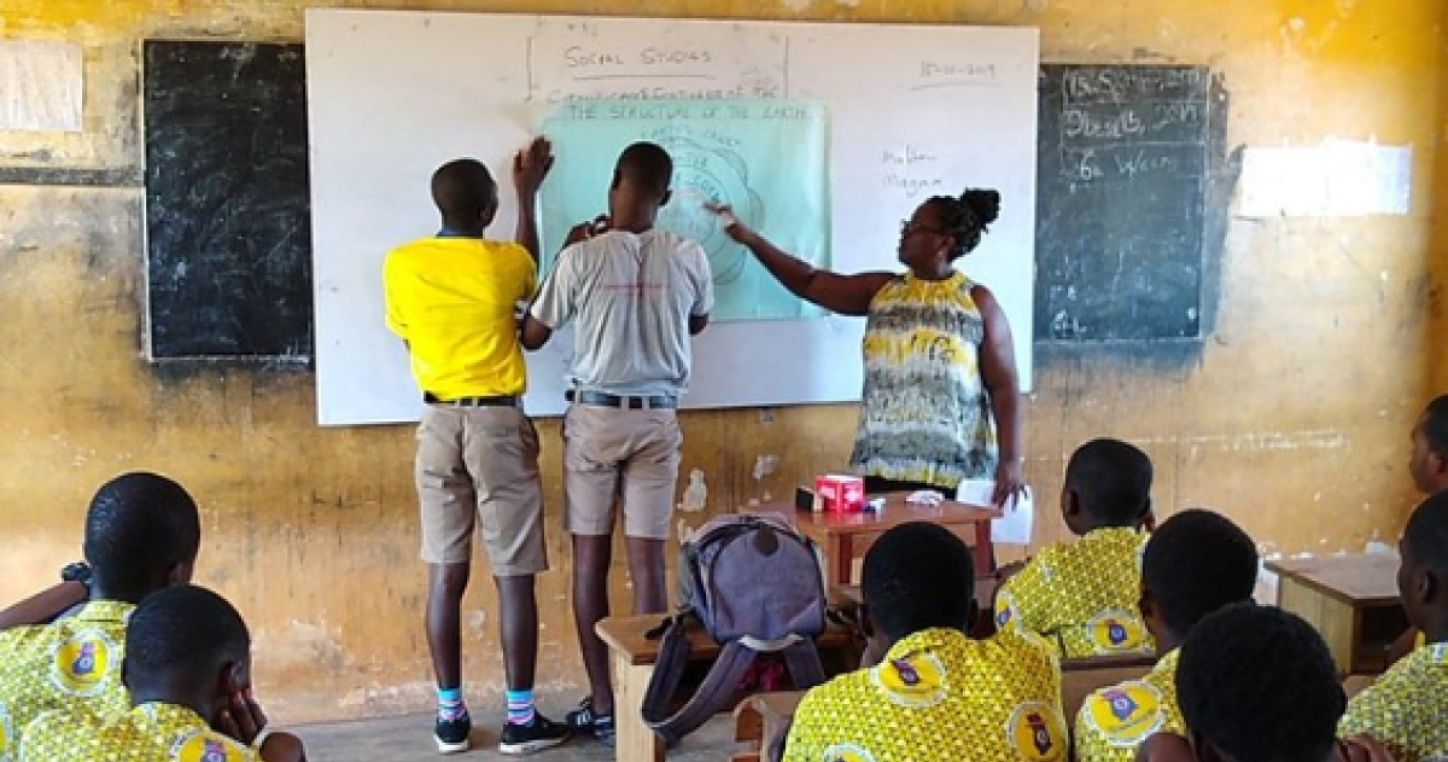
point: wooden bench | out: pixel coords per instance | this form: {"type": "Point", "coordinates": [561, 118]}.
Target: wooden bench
{"type": "Point", "coordinates": [632, 656]}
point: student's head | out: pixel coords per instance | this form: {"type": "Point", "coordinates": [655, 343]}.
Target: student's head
{"type": "Point", "coordinates": [1429, 463]}
{"type": "Point", "coordinates": [1257, 684]}
{"type": "Point", "coordinates": [142, 533]}
{"type": "Point", "coordinates": [1108, 484]}
{"type": "Point", "coordinates": [641, 179]}
{"type": "Point", "coordinates": [1423, 574]}
{"type": "Point", "coordinates": [1195, 563]}
{"type": "Point", "coordinates": [187, 645]}
{"type": "Point", "coordinates": [917, 576]}
{"type": "Point", "coordinates": [945, 228]}
{"type": "Point", "coordinates": [465, 194]}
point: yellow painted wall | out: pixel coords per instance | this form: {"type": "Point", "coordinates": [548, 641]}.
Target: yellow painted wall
{"type": "Point", "coordinates": [1294, 419]}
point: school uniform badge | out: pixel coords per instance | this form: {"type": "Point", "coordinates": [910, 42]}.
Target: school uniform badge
{"type": "Point", "coordinates": [917, 681]}
{"type": "Point", "coordinates": [847, 752]}
{"type": "Point", "coordinates": [1005, 610]}
{"type": "Point", "coordinates": [7, 735]}
{"type": "Point", "coordinates": [81, 665]}
{"type": "Point", "coordinates": [203, 746]}
{"type": "Point", "coordinates": [1037, 731]}
{"type": "Point", "coordinates": [1125, 714]}
{"type": "Point", "coordinates": [1116, 630]}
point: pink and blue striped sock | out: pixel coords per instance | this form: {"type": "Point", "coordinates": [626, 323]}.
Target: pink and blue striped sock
{"type": "Point", "coordinates": [450, 704]}
{"type": "Point", "coordinates": [520, 707]}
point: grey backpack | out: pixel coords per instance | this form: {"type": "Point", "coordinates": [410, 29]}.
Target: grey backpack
{"type": "Point", "coordinates": [757, 586]}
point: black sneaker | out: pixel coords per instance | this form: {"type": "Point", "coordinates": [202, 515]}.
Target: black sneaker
{"type": "Point", "coordinates": [452, 735]}
{"type": "Point", "coordinates": [585, 719]}
{"type": "Point", "coordinates": [542, 733]}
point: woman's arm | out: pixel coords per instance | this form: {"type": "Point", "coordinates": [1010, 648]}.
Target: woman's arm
{"type": "Point", "coordinates": [845, 294]}
{"type": "Point", "coordinates": [998, 373]}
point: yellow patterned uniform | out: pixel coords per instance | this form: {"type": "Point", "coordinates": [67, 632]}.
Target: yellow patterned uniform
{"type": "Point", "coordinates": [1407, 708]}
{"type": "Point", "coordinates": [925, 415]}
{"type": "Point", "coordinates": [148, 733]}
{"type": "Point", "coordinates": [1081, 597]}
{"type": "Point", "coordinates": [1115, 720]}
{"type": "Point", "coordinates": [72, 662]}
{"type": "Point", "coordinates": [939, 695]}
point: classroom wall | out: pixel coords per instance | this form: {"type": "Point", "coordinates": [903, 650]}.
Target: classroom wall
{"type": "Point", "coordinates": [1292, 415]}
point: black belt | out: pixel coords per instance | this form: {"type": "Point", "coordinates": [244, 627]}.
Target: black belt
{"type": "Point", "coordinates": [613, 400]}
{"type": "Point", "coordinates": [502, 400]}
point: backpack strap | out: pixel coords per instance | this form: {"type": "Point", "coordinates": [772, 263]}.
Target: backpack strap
{"type": "Point", "coordinates": [805, 667]}
{"type": "Point", "coordinates": [716, 693]}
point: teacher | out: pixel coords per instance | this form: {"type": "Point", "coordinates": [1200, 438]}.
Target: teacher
{"type": "Point", "coordinates": [941, 402]}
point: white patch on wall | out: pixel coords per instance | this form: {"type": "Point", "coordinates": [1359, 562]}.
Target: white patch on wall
{"type": "Point", "coordinates": [1338, 178]}
{"type": "Point", "coordinates": [764, 465]}
{"type": "Point", "coordinates": [696, 495]}
{"type": "Point", "coordinates": [41, 85]}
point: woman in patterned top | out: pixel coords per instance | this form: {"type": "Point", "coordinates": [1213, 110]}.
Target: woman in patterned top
{"type": "Point", "coordinates": [941, 402]}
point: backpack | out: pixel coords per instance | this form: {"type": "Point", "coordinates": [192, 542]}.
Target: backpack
{"type": "Point", "coordinates": [756, 584]}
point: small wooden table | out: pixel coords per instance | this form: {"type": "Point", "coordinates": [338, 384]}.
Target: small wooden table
{"type": "Point", "coordinates": [836, 532]}
{"type": "Point", "coordinates": [1351, 600]}
{"type": "Point", "coordinates": [632, 656]}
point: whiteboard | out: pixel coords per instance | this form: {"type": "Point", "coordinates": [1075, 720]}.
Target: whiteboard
{"type": "Point", "coordinates": [914, 111]}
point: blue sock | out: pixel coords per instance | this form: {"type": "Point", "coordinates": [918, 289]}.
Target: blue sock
{"type": "Point", "coordinates": [520, 707]}
{"type": "Point", "coordinates": [450, 704]}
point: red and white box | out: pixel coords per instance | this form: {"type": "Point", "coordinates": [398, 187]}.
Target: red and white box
{"type": "Point", "coordinates": [845, 494]}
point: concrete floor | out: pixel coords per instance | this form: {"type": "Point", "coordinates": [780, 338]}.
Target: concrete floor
{"type": "Point", "coordinates": [409, 739]}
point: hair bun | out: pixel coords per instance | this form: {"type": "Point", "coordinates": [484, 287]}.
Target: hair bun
{"type": "Point", "coordinates": [985, 203]}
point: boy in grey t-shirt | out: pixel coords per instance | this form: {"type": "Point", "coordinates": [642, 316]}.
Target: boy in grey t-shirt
{"type": "Point", "coordinates": [635, 295]}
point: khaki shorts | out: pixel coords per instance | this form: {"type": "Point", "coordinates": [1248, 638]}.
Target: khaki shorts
{"type": "Point", "coordinates": [480, 465]}
{"type": "Point", "coordinates": [611, 453]}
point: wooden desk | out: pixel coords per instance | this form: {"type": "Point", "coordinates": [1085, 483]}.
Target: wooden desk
{"type": "Point", "coordinates": [837, 532]}
{"type": "Point", "coordinates": [1351, 600]}
{"type": "Point", "coordinates": [632, 657]}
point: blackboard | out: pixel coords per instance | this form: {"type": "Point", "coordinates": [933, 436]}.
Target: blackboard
{"type": "Point", "coordinates": [1124, 179]}
{"type": "Point", "coordinates": [228, 230]}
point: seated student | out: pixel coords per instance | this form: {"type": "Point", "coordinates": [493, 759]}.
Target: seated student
{"type": "Point", "coordinates": [1407, 708]}
{"type": "Point", "coordinates": [1257, 684]}
{"type": "Point", "coordinates": [1082, 597]}
{"type": "Point", "coordinates": [188, 670]}
{"type": "Point", "coordinates": [938, 695]}
{"type": "Point", "coordinates": [141, 534]}
{"type": "Point", "coordinates": [1195, 563]}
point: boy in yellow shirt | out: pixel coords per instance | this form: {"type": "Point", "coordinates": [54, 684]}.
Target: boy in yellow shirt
{"type": "Point", "coordinates": [1082, 597]}
{"type": "Point", "coordinates": [188, 671]}
{"type": "Point", "coordinates": [938, 696]}
{"type": "Point", "coordinates": [1407, 708]}
{"type": "Point", "coordinates": [1195, 563]}
{"type": "Point", "coordinates": [142, 534]}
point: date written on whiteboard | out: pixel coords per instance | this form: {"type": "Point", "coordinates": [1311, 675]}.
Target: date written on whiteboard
{"type": "Point", "coordinates": [937, 74]}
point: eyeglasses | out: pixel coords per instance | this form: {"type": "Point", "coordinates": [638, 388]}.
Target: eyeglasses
{"type": "Point", "coordinates": [909, 228]}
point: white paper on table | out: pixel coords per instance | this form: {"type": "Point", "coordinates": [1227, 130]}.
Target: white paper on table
{"type": "Point", "coordinates": [1017, 519]}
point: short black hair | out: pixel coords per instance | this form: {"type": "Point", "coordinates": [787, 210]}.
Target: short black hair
{"type": "Point", "coordinates": [1195, 563]}
{"type": "Point", "coordinates": [646, 164]}
{"type": "Point", "coordinates": [463, 189]}
{"type": "Point", "coordinates": [967, 217]}
{"type": "Point", "coordinates": [1427, 533]}
{"type": "Point", "coordinates": [1435, 425]}
{"type": "Point", "coordinates": [183, 632]}
{"type": "Point", "coordinates": [1113, 479]}
{"type": "Point", "coordinates": [139, 526]}
{"type": "Point", "coordinates": [1258, 683]}
{"type": "Point", "coordinates": [917, 576]}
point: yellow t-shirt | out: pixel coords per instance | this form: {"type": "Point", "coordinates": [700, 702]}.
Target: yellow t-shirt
{"type": "Point", "coordinates": [1081, 597]}
{"type": "Point", "coordinates": [453, 301]}
{"type": "Point", "coordinates": [72, 663]}
{"type": "Point", "coordinates": [1114, 721]}
{"type": "Point", "coordinates": [148, 733]}
{"type": "Point", "coordinates": [1407, 708]}
{"type": "Point", "coordinates": [939, 696]}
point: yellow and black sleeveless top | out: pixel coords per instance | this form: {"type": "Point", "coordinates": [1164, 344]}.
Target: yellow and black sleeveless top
{"type": "Point", "coordinates": [925, 414]}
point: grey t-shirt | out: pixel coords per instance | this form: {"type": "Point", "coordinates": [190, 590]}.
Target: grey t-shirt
{"type": "Point", "coordinates": [631, 296]}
